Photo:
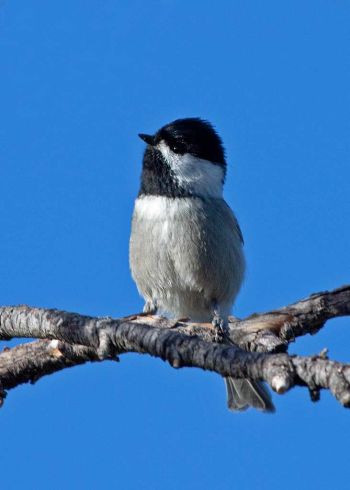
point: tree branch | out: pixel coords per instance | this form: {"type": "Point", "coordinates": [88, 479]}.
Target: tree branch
{"type": "Point", "coordinates": [79, 339]}
{"type": "Point", "coordinates": [268, 332]}
{"type": "Point", "coordinates": [29, 362]}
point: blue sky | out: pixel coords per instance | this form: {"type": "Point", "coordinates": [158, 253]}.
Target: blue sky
{"type": "Point", "coordinates": [79, 80]}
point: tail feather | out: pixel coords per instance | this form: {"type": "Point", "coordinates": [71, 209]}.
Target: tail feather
{"type": "Point", "coordinates": [245, 393]}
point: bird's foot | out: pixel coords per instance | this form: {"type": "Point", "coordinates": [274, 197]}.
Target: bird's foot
{"type": "Point", "coordinates": [220, 326]}
{"type": "Point", "coordinates": [175, 323]}
{"type": "Point", "coordinates": [134, 316]}
{"type": "Point", "coordinates": [150, 308]}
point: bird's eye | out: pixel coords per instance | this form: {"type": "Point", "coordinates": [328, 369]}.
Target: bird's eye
{"type": "Point", "coordinates": [175, 147]}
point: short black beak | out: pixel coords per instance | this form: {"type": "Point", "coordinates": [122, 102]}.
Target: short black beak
{"type": "Point", "coordinates": [147, 138]}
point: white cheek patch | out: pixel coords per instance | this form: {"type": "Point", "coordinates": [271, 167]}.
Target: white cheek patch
{"type": "Point", "coordinates": [195, 174]}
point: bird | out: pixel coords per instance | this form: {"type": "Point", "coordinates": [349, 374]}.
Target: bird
{"type": "Point", "coordinates": [186, 246]}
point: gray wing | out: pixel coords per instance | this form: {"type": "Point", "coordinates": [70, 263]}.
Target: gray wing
{"type": "Point", "coordinates": [235, 222]}
{"type": "Point", "coordinates": [210, 254]}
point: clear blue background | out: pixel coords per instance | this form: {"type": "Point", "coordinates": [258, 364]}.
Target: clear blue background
{"type": "Point", "coordinates": [79, 79]}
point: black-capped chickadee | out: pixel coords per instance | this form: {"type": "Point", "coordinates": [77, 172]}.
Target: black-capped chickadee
{"type": "Point", "coordinates": [186, 247]}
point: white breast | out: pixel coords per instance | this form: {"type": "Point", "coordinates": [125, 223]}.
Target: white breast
{"type": "Point", "coordinates": [162, 213]}
{"type": "Point", "coordinates": [161, 207]}
{"type": "Point", "coordinates": [184, 252]}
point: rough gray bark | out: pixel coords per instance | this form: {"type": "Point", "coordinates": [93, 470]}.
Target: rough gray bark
{"type": "Point", "coordinates": [255, 347]}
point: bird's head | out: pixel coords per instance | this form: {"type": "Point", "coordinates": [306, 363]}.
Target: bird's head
{"type": "Point", "coordinates": [184, 158]}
